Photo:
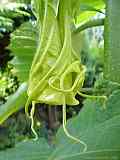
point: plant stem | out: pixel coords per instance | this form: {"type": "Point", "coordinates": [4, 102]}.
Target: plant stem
{"type": "Point", "coordinates": [89, 24]}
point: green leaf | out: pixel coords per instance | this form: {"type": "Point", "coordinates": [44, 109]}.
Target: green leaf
{"type": "Point", "coordinates": [91, 4]}
{"type": "Point", "coordinates": [98, 127]}
{"type": "Point", "coordinates": [29, 150]}
{"type": "Point", "coordinates": [112, 41]}
{"type": "Point", "coordinates": [23, 45]}
{"type": "Point", "coordinates": [12, 10]}
{"type": "Point", "coordinates": [6, 23]}
{"type": "Point", "coordinates": [87, 9]}
{"type": "Point", "coordinates": [14, 103]}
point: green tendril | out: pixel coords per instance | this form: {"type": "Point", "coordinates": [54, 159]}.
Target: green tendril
{"type": "Point", "coordinates": [68, 134]}
{"type": "Point", "coordinates": [27, 107]}
{"type": "Point", "coordinates": [32, 120]}
{"type": "Point", "coordinates": [93, 97]}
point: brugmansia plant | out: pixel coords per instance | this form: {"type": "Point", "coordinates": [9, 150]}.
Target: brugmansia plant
{"type": "Point", "coordinates": [47, 60]}
{"type": "Point", "coordinates": [56, 74]}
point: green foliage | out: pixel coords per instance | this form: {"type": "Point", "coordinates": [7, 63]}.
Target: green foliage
{"type": "Point", "coordinates": [29, 150]}
{"type": "Point", "coordinates": [23, 46]}
{"type": "Point", "coordinates": [7, 83]}
{"type": "Point", "coordinates": [14, 103]}
{"type": "Point", "coordinates": [8, 14]}
{"type": "Point", "coordinates": [12, 10]}
{"type": "Point", "coordinates": [105, 86]}
{"type": "Point", "coordinates": [97, 126]}
{"type": "Point", "coordinates": [3, 84]}
{"type": "Point", "coordinates": [112, 41]}
{"type": "Point", "coordinates": [88, 9]}
{"type": "Point", "coordinates": [6, 23]}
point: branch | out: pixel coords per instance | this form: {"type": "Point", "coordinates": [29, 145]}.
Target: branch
{"type": "Point", "coordinates": [89, 24]}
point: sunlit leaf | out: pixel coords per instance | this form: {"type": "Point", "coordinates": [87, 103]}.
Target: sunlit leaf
{"type": "Point", "coordinates": [14, 103]}
{"type": "Point", "coordinates": [23, 46]}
